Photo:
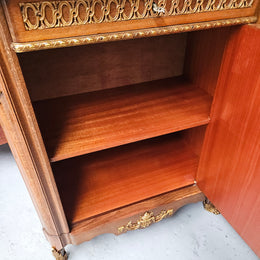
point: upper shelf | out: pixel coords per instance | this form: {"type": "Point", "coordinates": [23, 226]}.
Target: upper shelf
{"type": "Point", "coordinates": [94, 121]}
{"type": "Point", "coordinates": [42, 24]}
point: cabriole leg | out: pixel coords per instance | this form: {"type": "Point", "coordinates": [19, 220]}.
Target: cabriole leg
{"type": "Point", "coordinates": [59, 255]}
{"type": "Point", "coordinates": [210, 207]}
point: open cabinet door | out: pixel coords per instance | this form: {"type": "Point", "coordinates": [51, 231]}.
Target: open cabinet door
{"type": "Point", "coordinates": [229, 171]}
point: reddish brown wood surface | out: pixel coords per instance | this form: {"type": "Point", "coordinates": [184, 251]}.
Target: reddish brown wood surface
{"type": "Point", "coordinates": [2, 137]}
{"type": "Point", "coordinates": [50, 73]}
{"type": "Point", "coordinates": [194, 137]}
{"type": "Point", "coordinates": [109, 222]}
{"type": "Point", "coordinates": [229, 172]}
{"type": "Point", "coordinates": [204, 55]}
{"type": "Point", "coordinates": [85, 123]}
{"type": "Point", "coordinates": [102, 181]}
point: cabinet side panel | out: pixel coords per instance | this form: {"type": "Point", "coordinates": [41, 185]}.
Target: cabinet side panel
{"type": "Point", "coordinates": [204, 56]}
{"type": "Point", "coordinates": [229, 171]}
{"type": "Point", "coordinates": [2, 137]}
{"type": "Point", "coordinates": [194, 138]}
{"type": "Point", "coordinates": [18, 121]}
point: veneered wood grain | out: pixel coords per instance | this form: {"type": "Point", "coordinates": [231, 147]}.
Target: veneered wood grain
{"type": "Point", "coordinates": [85, 123]}
{"type": "Point", "coordinates": [18, 121]}
{"type": "Point", "coordinates": [100, 182]}
{"type": "Point", "coordinates": [19, 34]}
{"type": "Point", "coordinates": [109, 222]}
{"type": "Point", "coordinates": [69, 71]}
{"type": "Point", "coordinates": [2, 137]}
{"type": "Point", "coordinates": [194, 138]}
{"type": "Point", "coordinates": [229, 171]}
{"type": "Point", "coordinates": [258, 13]}
{"type": "Point", "coordinates": [204, 55]}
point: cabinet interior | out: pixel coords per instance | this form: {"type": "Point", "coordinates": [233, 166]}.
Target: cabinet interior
{"type": "Point", "coordinates": [124, 121]}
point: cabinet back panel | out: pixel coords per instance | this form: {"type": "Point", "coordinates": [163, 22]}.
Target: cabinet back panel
{"type": "Point", "coordinates": [68, 71]}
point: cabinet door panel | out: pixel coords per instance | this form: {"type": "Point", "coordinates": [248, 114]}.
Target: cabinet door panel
{"type": "Point", "coordinates": [229, 171]}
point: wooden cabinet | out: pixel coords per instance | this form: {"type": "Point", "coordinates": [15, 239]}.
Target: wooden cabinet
{"type": "Point", "coordinates": [121, 129]}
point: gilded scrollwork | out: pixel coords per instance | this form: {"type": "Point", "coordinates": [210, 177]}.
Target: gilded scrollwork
{"type": "Point", "coordinates": [144, 221]}
{"type": "Point", "coordinates": [62, 13]}
{"type": "Point", "coordinates": [210, 207]}
{"type": "Point", "coordinates": [91, 39]}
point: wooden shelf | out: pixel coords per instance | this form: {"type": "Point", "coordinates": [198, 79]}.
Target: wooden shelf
{"type": "Point", "coordinates": [80, 124]}
{"type": "Point", "coordinates": [100, 182]}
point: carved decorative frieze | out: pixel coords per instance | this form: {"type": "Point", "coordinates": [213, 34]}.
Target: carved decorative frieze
{"type": "Point", "coordinates": [147, 219]}
{"type": "Point", "coordinates": [52, 14]}
{"type": "Point", "coordinates": [91, 39]}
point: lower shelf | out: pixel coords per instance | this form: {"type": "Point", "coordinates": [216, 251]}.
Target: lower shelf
{"type": "Point", "coordinates": [136, 216]}
{"type": "Point", "coordinates": [96, 183]}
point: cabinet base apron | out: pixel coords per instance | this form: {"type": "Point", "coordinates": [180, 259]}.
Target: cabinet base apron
{"type": "Point", "coordinates": [135, 216]}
